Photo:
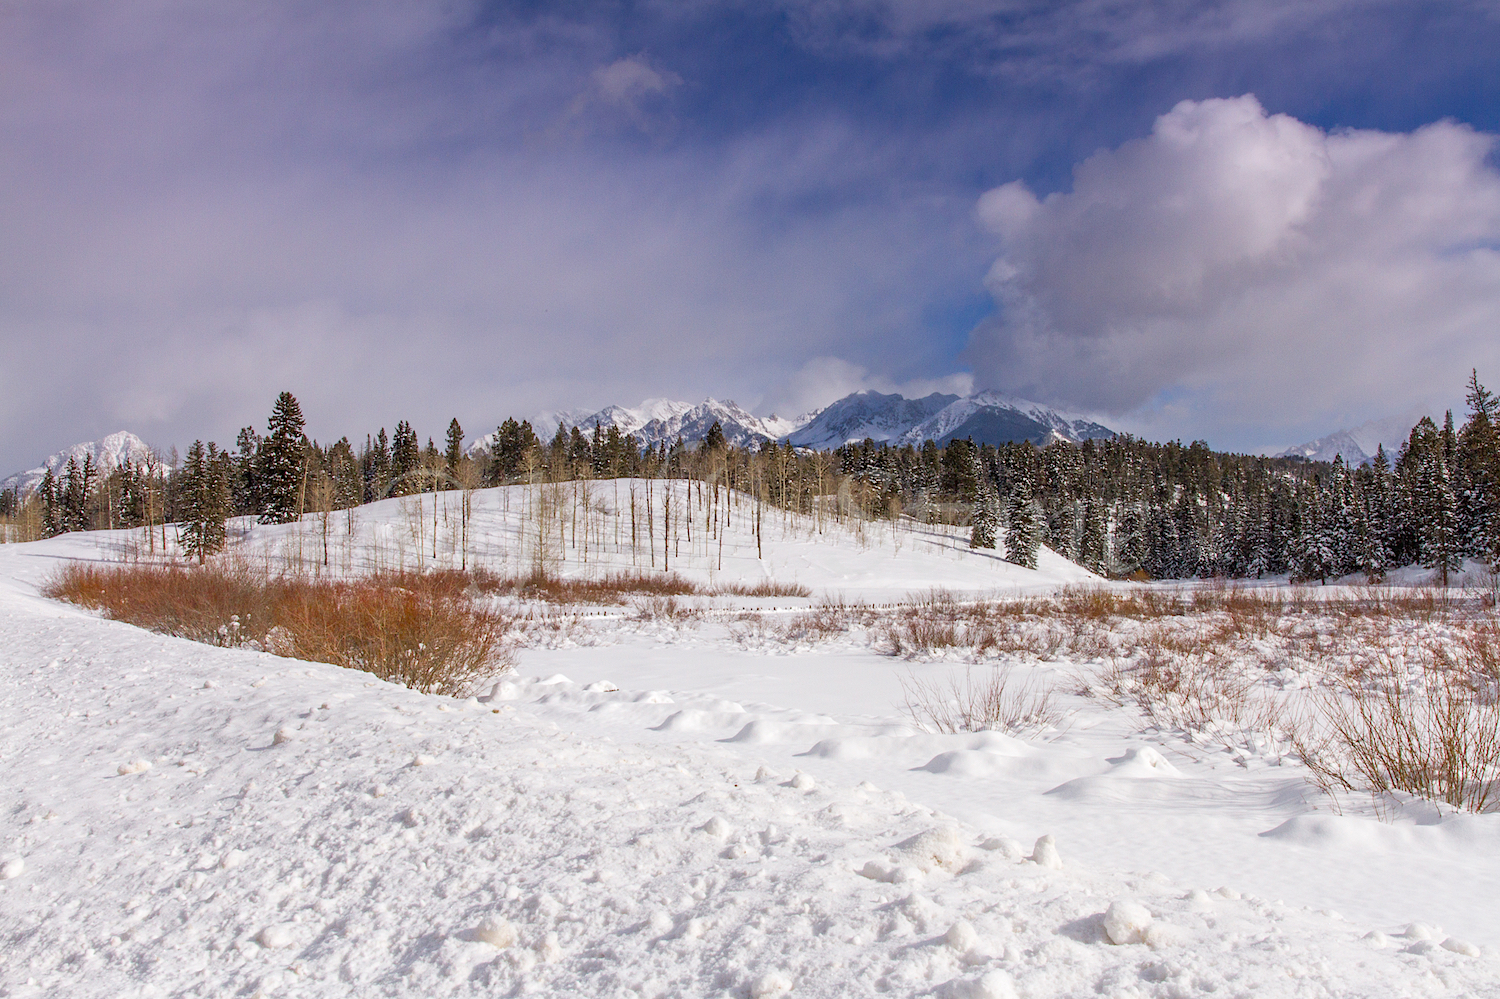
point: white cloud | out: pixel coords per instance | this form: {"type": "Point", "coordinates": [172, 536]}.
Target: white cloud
{"type": "Point", "coordinates": [1237, 267]}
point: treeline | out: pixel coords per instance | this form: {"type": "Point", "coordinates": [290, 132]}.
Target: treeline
{"type": "Point", "coordinates": [1128, 507]}
{"type": "Point", "coordinates": [1122, 507]}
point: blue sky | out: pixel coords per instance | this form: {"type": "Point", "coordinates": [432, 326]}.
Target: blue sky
{"type": "Point", "coordinates": [418, 211]}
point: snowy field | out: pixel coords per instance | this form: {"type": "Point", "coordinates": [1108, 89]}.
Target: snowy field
{"type": "Point", "coordinates": [695, 798]}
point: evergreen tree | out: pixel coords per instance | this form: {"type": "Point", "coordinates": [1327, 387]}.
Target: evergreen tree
{"type": "Point", "coordinates": [714, 440]}
{"type": "Point", "coordinates": [512, 443]}
{"type": "Point", "coordinates": [984, 521]}
{"type": "Point", "coordinates": [1024, 526]}
{"type": "Point", "coordinates": [280, 475]}
{"type": "Point", "coordinates": [77, 485]}
{"type": "Point", "coordinates": [51, 508]}
{"type": "Point", "coordinates": [1093, 547]}
{"type": "Point", "coordinates": [246, 492]}
{"type": "Point", "coordinates": [406, 462]}
{"type": "Point", "coordinates": [378, 472]}
{"type": "Point", "coordinates": [1481, 401]}
{"type": "Point", "coordinates": [1442, 547]}
{"type": "Point", "coordinates": [343, 468]}
{"type": "Point", "coordinates": [1130, 551]}
{"type": "Point", "coordinates": [960, 471]}
{"type": "Point", "coordinates": [203, 490]}
{"type": "Point", "coordinates": [454, 453]}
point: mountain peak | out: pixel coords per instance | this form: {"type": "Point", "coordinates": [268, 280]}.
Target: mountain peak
{"type": "Point", "coordinates": [108, 453]}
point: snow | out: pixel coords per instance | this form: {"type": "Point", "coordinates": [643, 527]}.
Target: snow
{"type": "Point", "coordinates": [297, 829]}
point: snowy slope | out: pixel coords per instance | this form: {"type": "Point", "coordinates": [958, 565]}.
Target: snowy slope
{"type": "Point", "coordinates": [108, 454]}
{"type": "Point", "coordinates": [185, 820]}
{"type": "Point", "coordinates": [665, 807]}
{"type": "Point", "coordinates": [1358, 446]}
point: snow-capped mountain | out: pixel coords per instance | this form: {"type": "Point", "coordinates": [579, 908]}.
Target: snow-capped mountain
{"type": "Point", "coordinates": [987, 417]}
{"type": "Point", "coordinates": [1358, 445]}
{"type": "Point", "coordinates": [992, 418]}
{"type": "Point", "coordinates": [108, 454]}
{"type": "Point", "coordinates": [867, 414]}
{"type": "Point", "coordinates": [658, 420]}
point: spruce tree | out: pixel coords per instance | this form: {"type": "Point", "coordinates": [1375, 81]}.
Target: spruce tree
{"type": "Point", "coordinates": [343, 468]}
{"type": "Point", "coordinates": [203, 490]}
{"type": "Point", "coordinates": [985, 521]}
{"type": "Point", "coordinates": [51, 508]}
{"type": "Point", "coordinates": [1093, 553]}
{"type": "Point", "coordinates": [246, 492]}
{"type": "Point", "coordinates": [406, 461]}
{"type": "Point", "coordinates": [1024, 527]}
{"type": "Point", "coordinates": [714, 441]}
{"type": "Point", "coordinates": [282, 459]}
{"type": "Point", "coordinates": [1442, 548]}
{"type": "Point", "coordinates": [453, 454]}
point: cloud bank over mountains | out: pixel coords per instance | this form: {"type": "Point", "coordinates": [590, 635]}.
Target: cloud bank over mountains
{"type": "Point", "coordinates": [1251, 266]}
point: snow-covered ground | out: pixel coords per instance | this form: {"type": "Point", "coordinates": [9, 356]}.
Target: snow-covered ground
{"type": "Point", "coordinates": [659, 805]}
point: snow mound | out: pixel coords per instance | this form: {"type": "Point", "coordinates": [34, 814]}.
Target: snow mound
{"type": "Point", "coordinates": [1126, 922]}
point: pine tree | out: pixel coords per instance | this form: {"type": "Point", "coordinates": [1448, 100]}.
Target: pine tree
{"type": "Point", "coordinates": [406, 461]}
{"type": "Point", "coordinates": [203, 490]}
{"type": "Point", "coordinates": [985, 521]}
{"type": "Point", "coordinates": [453, 454]}
{"type": "Point", "coordinates": [1024, 526]}
{"type": "Point", "coordinates": [1481, 401]}
{"type": "Point", "coordinates": [282, 463]}
{"type": "Point", "coordinates": [714, 440]}
{"type": "Point", "coordinates": [246, 486]}
{"type": "Point", "coordinates": [51, 508]}
{"type": "Point", "coordinates": [1442, 548]}
{"type": "Point", "coordinates": [1093, 547]}
{"type": "Point", "coordinates": [343, 468]}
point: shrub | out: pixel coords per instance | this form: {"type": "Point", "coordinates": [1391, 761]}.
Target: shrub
{"type": "Point", "coordinates": [1438, 740]}
{"type": "Point", "coordinates": [423, 631]}
{"type": "Point", "coordinates": [969, 705]}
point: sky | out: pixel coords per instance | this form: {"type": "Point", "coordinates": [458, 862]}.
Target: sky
{"type": "Point", "coordinates": [1247, 221]}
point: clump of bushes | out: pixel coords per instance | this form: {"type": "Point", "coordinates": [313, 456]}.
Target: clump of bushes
{"type": "Point", "coordinates": [616, 587]}
{"type": "Point", "coordinates": [424, 631]}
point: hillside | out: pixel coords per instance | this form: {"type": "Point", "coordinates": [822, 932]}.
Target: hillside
{"type": "Point", "coordinates": [715, 795]}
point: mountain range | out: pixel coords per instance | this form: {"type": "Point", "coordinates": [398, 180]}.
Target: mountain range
{"type": "Point", "coordinates": [987, 417]}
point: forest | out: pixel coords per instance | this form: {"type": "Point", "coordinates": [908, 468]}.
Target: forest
{"type": "Point", "coordinates": [1122, 507]}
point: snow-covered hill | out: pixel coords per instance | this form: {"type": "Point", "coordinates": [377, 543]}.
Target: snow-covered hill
{"type": "Point", "coordinates": [657, 804]}
{"type": "Point", "coordinates": [1358, 446]}
{"type": "Point", "coordinates": [108, 454]}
